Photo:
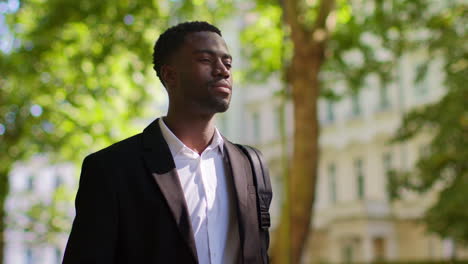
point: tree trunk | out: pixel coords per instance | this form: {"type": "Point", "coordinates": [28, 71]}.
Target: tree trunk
{"type": "Point", "coordinates": [4, 187]}
{"type": "Point", "coordinates": [281, 247]}
{"type": "Point", "coordinates": [308, 57]}
{"type": "Point", "coordinates": [297, 208]}
{"type": "Point", "coordinates": [303, 175]}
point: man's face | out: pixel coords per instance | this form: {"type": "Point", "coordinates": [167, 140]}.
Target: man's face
{"type": "Point", "coordinates": [203, 80]}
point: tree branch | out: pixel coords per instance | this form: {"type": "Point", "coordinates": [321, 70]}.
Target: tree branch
{"type": "Point", "coordinates": [291, 15]}
{"type": "Point", "coordinates": [324, 10]}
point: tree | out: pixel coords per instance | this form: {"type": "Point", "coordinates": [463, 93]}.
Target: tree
{"type": "Point", "coordinates": [72, 82]}
{"type": "Point", "coordinates": [310, 31]}
{"type": "Point", "coordinates": [444, 166]}
{"type": "Point", "coordinates": [319, 37]}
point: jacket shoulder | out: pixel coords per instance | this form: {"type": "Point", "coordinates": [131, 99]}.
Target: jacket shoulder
{"type": "Point", "coordinates": [127, 147]}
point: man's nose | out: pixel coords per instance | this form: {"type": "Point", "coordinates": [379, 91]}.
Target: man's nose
{"type": "Point", "coordinates": [221, 70]}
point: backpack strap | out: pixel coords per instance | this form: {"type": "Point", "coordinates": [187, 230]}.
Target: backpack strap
{"type": "Point", "coordinates": [264, 194]}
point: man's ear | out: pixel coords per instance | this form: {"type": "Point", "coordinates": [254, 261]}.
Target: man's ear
{"type": "Point", "coordinates": [168, 74]}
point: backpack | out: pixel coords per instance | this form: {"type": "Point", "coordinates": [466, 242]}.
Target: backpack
{"type": "Point", "coordinates": [264, 194]}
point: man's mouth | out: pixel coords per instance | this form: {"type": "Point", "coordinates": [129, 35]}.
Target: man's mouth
{"type": "Point", "coordinates": [222, 87]}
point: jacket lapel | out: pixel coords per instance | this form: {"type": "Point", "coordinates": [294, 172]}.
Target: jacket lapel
{"type": "Point", "coordinates": [159, 161]}
{"type": "Point", "coordinates": [246, 202]}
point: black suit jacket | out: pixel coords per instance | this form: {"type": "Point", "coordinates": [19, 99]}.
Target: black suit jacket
{"type": "Point", "coordinates": [130, 206]}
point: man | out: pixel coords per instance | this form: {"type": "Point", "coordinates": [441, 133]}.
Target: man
{"type": "Point", "coordinates": [178, 192]}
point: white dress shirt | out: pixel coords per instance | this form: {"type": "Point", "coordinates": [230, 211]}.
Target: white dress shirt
{"type": "Point", "coordinates": [209, 196]}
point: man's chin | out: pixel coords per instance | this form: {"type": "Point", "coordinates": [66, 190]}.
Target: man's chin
{"type": "Point", "coordinates": [222, 110]}
{"type": "Point", "coordinates": [222, 107]}
{"type": "Point", "coordinates": [216, 105]}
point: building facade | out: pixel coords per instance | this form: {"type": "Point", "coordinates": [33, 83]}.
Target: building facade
{"type": "Point", "coordinates": [40, 200]}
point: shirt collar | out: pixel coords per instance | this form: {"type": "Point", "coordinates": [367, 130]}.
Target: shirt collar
{"type": "Point", "coordinates": [176, 146]}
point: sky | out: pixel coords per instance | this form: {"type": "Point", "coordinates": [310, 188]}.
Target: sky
{"type": "Point", "coordinates": [6, 38]}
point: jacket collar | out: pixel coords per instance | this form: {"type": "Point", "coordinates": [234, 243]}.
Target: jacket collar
{"type": "Point", "coordinates": [158, 160]}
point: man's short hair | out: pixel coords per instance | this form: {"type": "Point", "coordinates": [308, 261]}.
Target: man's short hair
{"type": "Point", "coordinates": [172, 39]}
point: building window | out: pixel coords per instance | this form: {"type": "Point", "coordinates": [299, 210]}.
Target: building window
{"type": "Point", "coordinates": [387, 163]}
{"type": "Point", "coordinates": [420, 80]}
{"type": "Point", "coordinates": [350, 249]}
{"type": "Point", "coordinates": [58, 181]}
{"type": "Point", "coordinates": [384, 101]}
{"type": "Point", "coordinates": [256, 126]}
{"type": "Point", "coordinates": [355, 105]}
{"type": "Point", "coordinates": [379, 248]}
{"type": "Point", "coordinates": [30, 183]}
{"type": "Point", "coordinates": [387, 172]}
{"type": "Point", "coordinates": [332, 183]}
{"type": "Point", "coordinates": [348, 254]}
{"type": "Point", "coordinates": [29, 256]}
{"type": "Point", "coordinates": [277, 121]}
{"type": "Point", "coordinates": [360, 181]}
{"type": "Point", "coordinates": [330, 112]}
{"type": "Point", "coordinates": [58, 256]}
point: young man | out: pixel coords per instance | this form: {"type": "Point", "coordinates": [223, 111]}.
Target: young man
{"type": "Point", "coordinates": [179, 192]}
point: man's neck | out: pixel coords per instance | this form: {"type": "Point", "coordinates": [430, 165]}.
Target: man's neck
{"type": "Point", "coordinates": [194, 131]}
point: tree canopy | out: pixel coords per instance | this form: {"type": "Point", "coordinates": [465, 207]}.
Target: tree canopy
{"type": "Point", "coordinates": [444, 164]}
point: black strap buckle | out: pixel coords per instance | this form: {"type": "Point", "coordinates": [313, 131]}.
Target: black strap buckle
{"type": "Point", "coordinates": [265, 220]}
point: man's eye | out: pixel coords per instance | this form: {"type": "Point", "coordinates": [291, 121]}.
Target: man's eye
{"type": "Point", "coordinates": [228, 64]}
{"type": "Point", "coordinates": [205, 60]}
